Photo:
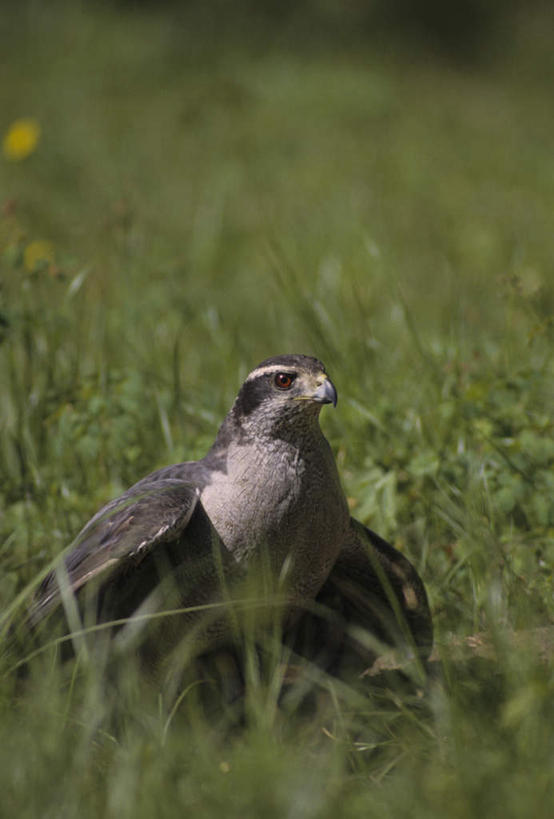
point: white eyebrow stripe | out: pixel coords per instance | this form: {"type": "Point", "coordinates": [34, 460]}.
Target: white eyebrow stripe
{"type": "Point", "coordinates": [271, 368]}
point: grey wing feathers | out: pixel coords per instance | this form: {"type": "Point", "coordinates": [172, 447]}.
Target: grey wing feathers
{"type": "Point", "coordinates": [372, 597]}
{"type": "Point", "coordinates": [150, 513]}
{"type": "Point", "coordinates": [197, 473]}
{"type": "Point", "coordinates": [384, 587]}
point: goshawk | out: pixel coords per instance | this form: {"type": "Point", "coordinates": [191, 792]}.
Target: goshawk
{"type": "Point", "coordinates": [266, 497]}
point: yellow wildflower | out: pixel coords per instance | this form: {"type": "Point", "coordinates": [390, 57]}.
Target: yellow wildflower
{"type": "Point", "coordinates": [38, 253]}
{"type": "Point", "coordinates": [21, 139]}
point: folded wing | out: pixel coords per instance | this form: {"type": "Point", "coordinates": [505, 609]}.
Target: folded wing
{"type": "Point", "coordinates": [120, 544]}
{"type": "Point", "coordinates": [373, 598]}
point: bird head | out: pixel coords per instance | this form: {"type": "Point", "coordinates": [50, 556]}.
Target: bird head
{"type": "Point", "coordinates": [283, 392]}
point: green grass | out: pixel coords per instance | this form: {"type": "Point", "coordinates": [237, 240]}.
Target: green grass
{"type": "Point", "coordinates": [210, 206]}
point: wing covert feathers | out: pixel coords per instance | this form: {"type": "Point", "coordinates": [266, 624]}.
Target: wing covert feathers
{"type": "Point", "coordinates": [123, 531]}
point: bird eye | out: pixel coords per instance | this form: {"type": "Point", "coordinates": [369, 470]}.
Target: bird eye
{"type": "Point", "coordinates": [284, 380]}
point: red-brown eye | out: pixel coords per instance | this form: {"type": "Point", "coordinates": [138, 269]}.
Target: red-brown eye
{"type": "Point", "coordinates": [284, 381]}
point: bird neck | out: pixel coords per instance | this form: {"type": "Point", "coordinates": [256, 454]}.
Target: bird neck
{"type": "Point", "coordinates": [297, 430]}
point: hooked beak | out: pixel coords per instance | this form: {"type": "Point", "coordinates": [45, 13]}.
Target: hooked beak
{"type": "Point", "coordinates": [326, 393]}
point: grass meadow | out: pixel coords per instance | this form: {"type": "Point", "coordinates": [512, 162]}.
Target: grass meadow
{"type": "Point", "coordinates": [174, 209]}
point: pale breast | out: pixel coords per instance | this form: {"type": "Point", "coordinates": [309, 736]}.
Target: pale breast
{"type": "Point", "coordinates": [294, 506]}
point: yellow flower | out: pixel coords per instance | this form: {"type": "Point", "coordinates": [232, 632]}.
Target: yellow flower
{"type": "Point", "coordinates": [21, 139]}
{"type": "Point", "coordinates": [38, 253]}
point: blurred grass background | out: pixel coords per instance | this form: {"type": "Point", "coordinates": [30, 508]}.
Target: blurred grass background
{"type": "Point", "coordinates": [205, 187]}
